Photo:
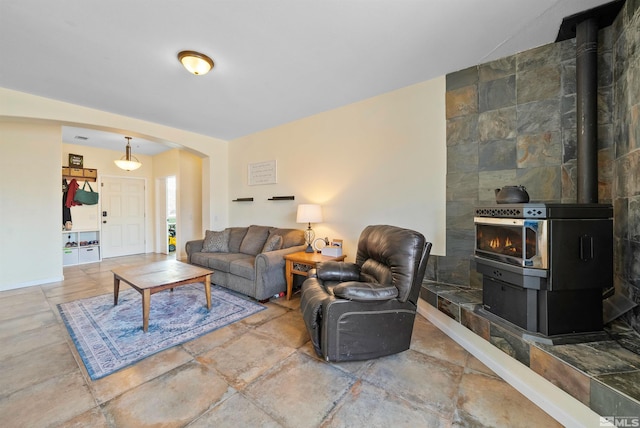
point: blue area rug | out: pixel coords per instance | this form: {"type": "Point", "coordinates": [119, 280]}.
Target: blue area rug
{"type": "Point", "coordinates": [109, 338]}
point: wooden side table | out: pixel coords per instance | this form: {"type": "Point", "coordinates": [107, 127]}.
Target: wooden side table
{"type": "Point", "coordinates": [300, 263]}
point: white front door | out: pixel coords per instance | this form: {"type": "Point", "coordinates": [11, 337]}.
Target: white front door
{"type": "Point", "coordinates": [123, 216]}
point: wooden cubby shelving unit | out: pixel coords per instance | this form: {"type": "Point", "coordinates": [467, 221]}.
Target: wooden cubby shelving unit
{"type": "Point", "coordinates": [83, 174]}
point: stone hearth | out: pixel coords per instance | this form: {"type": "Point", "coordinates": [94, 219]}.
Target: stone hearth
{"type": "Point", "coordinates": [601, 370]}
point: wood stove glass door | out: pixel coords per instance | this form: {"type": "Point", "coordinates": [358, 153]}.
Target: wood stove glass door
{"type": "Point", "coordinates": [515, 241]}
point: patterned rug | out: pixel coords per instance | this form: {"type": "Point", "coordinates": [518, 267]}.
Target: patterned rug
{"type": "Point", "coordinates": [109, 338]}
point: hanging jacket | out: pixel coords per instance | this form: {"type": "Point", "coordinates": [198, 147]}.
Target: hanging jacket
{"type": "Point", "coordinates": [71, 193]}
{"type": "Point", "coordinates": [66, 211]}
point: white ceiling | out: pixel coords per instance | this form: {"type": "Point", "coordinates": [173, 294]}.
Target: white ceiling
{"type": "Point", "coordinates": [275, 60]}
{"type": "Point", "coordinates": [112, 141]}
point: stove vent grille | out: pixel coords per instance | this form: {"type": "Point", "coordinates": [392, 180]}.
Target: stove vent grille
{"type": "Point", "coordinates": [498, 212]}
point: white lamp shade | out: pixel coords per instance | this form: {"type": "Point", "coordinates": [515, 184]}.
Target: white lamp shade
{"type": "Point", "coordinates": [309, 213]}
{"type": "Point", "coordinates": [128, 162]}
{"type": "Point", "coordinates": [127, 165]}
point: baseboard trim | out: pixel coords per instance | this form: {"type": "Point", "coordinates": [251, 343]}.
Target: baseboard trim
{"type": "Point", "coordinates": [7, 287]}
{"type": "Point", "coordinates": [558, 404]}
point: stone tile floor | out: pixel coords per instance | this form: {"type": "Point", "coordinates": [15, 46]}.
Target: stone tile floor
{"type": "Point", "coordinates": [261, 371]}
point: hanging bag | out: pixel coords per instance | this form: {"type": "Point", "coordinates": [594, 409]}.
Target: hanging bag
{"type": "Point", "coordinates": [86, 197]}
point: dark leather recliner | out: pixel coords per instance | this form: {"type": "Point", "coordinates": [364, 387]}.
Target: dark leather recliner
{"type": "Point", "coordinates": [366, 309]}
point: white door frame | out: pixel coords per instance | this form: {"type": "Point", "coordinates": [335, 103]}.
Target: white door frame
{"type": "Point", "coordinates": [162, 243]}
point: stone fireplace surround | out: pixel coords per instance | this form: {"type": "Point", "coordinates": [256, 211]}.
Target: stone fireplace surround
{"type": "Point", "coordinates": [513, 122]}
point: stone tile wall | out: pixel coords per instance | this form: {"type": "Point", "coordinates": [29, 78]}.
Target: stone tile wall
{"type": "Point", "coordinates": [626, 170]}
{"type": "Point", "coordinates": [513, 122]}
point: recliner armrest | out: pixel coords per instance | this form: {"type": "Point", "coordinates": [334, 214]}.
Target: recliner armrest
{"type": "Point", "coordinates": [338, 271]}
{"type": "Point", "coordinates": [365, 291]}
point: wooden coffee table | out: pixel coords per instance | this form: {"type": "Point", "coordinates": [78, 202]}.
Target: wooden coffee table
{"type": "Point", "coordinates": [301, 262]}
{"type": "Point", "coordinates": [155, 277]}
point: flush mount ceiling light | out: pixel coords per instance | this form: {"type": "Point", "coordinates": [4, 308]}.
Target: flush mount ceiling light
{"type": "Point", "coordinates": [128, 162]}
{"type": "Point", "coordinates": [195, 62]}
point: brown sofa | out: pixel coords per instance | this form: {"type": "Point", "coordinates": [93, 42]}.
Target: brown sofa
{"type": "Point", "coordinates": [241, 261]}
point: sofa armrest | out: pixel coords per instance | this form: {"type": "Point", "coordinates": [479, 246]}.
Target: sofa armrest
{"type": "Point", "coordinates": [193, 247]}
{"type": "Point", "coordinates": [270, 278]}
{"type": "Point", "coordinates": [275, 258]}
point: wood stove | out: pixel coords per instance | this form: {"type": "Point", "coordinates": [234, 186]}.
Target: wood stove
{"type": "Point", "coordinates": [544, 265]}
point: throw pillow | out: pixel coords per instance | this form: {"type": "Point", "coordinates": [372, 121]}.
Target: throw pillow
{"type": "Point", "coordinates": [216, 242]}
{"type": "Point", "coordinates": [254, 240]}
{"type": "Point", "coordinates": [290, 237]}
{"type": "Point", "coordinates": [236, 235]}
{"type": "Point", "coordinates": [274, 242]}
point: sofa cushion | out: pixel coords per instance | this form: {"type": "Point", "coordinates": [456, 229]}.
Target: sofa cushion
{"type": "Point", "coordinates": [254, 240]}
{"type": "Point", "coordinates": [274, 242]}
{"type": "Point", "coordinates": [216, 242]}
{"type": "Point", "coordinates": [200, 259]}
{"type": "Point", "coordinates": [244, 268]}
{"type": "Point", "coordinates": [219, 262]}
{"type": "Point", "coordinates": [236, 235]}
{"type": "Point", "coordinates": [290, 237]}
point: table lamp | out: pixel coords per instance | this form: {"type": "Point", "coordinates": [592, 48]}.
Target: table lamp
{"type": "Point", "coordinates": [309, 213]}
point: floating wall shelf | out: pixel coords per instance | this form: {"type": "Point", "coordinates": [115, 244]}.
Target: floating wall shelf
{"type": "Point", "coordinates": [281, 198]}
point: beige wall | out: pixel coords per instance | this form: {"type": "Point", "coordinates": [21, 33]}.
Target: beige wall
{"type": "Point", "coordinates": [30, 200]}
{"type": "Point", "coordinates": [189, 201]}
{"type": "Point", "coordinates": [381, 160]}
{"type": "Point", "coordinates": [25, 107]}
{"type": "Point", "coordinates": [187, 168]}
{"type": "Point", "coordinates": [378, 161]}
{"type": "Point", "coordinates": [30, 204]}
{"type": "Point", "coordinates": [166, 163]}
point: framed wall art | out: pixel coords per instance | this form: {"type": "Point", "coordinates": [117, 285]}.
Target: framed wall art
{"type": "Point", "coordinates": [75, 161]}
{"type": "Point", "coordinates": [263, 173]}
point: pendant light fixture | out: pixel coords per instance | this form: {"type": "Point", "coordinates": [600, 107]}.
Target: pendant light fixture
{"type": "Point", "coordinates": [195, 62]}
{"type": "Point", "coordinates": [128, 162]}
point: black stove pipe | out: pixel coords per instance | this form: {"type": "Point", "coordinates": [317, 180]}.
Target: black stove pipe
{"type": "Point", "coordinates": [587, 110]}
{"type": "Point", "coordinates": [584, 27]}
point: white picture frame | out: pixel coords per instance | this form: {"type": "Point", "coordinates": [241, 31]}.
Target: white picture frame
{"type": "Point", "coordinates": [265, 172]}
